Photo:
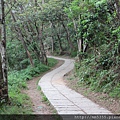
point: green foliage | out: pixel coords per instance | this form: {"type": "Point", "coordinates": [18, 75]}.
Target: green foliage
{"type": "Point", "coordinates": [17, 79]}
{"type": "Point", "coordinates": [34, 71]}
{"type": "Point", "coordinates": [115, 92]}
{"type": "Point", "coordinates": [96, 24]}
{"type": "Point", "coordinates": [98, 79]}
{"type": "Point", "coordinates": [73, 53]}
{"type": "Point", "coordinates": [93, 20]}
{"type": "Point", "coordinates": [20, 103]}
{"type": "Point", "coordinates": [52, 62]}
{"type": "Point", "coordinates": [44, 98]}
{"type": "Point", "coordinates": [17, 58]}
{"type": "Point", "coordinates": [38, 88]}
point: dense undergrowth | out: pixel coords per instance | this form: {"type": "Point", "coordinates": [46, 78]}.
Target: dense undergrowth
{"type": "Point", "coordinates": [100, 73]}
{"type": "Point", "coordinates": [19, 102]}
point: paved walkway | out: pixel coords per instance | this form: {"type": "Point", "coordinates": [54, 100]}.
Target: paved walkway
{"type": "Point", "coordinates": [64, 99]}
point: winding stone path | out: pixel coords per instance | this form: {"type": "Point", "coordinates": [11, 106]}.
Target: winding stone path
{"type": "Point", "coordinates": [64, 99]}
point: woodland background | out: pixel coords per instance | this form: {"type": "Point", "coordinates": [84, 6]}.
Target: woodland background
{"type": "Point", "coordinates": [87, 30]}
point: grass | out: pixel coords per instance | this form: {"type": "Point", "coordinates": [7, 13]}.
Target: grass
{"type": "Point", "coordinates": [19, 102]}
{"type": "Point", "coordinates": [44, 98]}
{"type": "Point", "coordinates": [46, 101]}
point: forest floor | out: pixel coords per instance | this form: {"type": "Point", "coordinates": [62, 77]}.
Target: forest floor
{"type": "Point", "coordinates": [104, 100]}
{"type": "Point", "coordinates": [39, 105]}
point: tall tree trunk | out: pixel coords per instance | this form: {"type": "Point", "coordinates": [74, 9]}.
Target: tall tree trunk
{"type": "Point", "coordinates": [52, 39]}
{"type": "Point", "coordinates": [117, 2]}
{"type": "Point", "coordinates": [36, 3]}
{"type": "Point", "coordinates": [68, 36]}
{"type": "Point", "coordinates": [1, 74]}
{"type": "Point", "coordinates": [81, 47]}
{"type": "Point", "coordinates": [43, 53]}
{"type": "Point", "coordinates": [79, 41]}
{"type": "Point", "coordinates": [43, 2]}
{"type": "Point", "coordinates": [52, 43]}
{"type": "Point", "coordinates": [1, 81]}
{"type": "Point", "coordinates": [59, 40]}
{"type": "Point", "coordinates": [42, 49]}
{"type": "Point", "coordinates": [4, 82]}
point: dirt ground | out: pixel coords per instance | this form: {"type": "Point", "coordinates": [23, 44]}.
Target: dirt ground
{"type": "Point", "coordinates": [39, 106]}
{"type": "Point", "coordinates": [100, 98]}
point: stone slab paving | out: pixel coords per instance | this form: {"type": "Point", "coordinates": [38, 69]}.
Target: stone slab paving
{"type": "Point", "coordinates": [64, 99]}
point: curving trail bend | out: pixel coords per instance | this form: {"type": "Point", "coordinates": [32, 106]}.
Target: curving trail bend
{"type": "Point", "coordinates": [64, 99]}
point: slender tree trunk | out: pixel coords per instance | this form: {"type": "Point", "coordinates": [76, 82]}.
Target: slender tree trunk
{"type": "Point", "coordinates": [79, 45]}
{"type": "Point", "coordinates": [4, 82]}
{"type": "Point", "coordinates": [52, 43]}
{"type": "Point", "coordinates": [1, 74]}
{"type": "Point", "coordinates": [36, 3]}
{"type": "Point", "coordinates": [117, 2]}
{"type": "Point", "coordinates": [39, 32]}
{"type": "Point", "coordinates": [1, 82]}
{"type": "Point", "coordinates": [68, 36]}
{"type": "Point", "coordinates": [25, 47]}
{"type": "Point", "coordinates": [82, 45]}
{"type": "Point", "coordinates": [79, 41]}
{"type": "Point", "coordinates": [1, 78]}
{"type": "Point", "coordinates": [52, 39]}
{"type": "Point", "coordinates": [43, 53]}
{"type": "Point", "coordinates": [43, 2]}
{"type": "Point", "coordinates": [59, 40]}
